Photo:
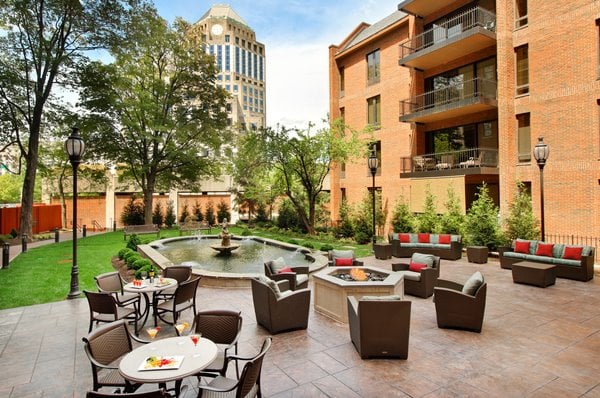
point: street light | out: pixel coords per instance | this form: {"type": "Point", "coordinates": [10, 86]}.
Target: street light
{"type": "Point", "coordinates": [373, 163]}
{"type": "Point", "coordinates": [540, 153]}
{"type": "Point", "coordinates": [74, 147]}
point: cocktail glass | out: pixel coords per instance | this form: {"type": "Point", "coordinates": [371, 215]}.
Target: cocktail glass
{"type": "Point", "coordinates": [195, 338]}
{"type": "Point", "coordinates": [152, 332]}
{"type": "Point", "coordinates": [181, 327]}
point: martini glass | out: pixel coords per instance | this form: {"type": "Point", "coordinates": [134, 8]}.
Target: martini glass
{"type": "Point", "coordinates": [152, 332]}
{"type": "Point", "coordinates": [195, 338]}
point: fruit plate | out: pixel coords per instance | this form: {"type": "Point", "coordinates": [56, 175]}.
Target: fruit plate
{"type": "Point", "coordinates": [158, 362]}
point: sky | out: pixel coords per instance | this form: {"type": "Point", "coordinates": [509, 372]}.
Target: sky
{"type": "Point", "coordinates": [296, 35]}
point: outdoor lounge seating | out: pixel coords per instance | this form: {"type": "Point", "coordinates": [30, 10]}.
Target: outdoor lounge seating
{"type": "Point", "coordinates": [194, 226]}
{"type": "Point", "coordinates": [420, 275]}
{"type": "Point", "coordinates": [141, 229]}
{"type": "Point", "coordinates": [461, 306]}
{"type": "Point", "coordinates": [446, 246]}
{"type": "Point", "coordinates": [571, 261]}
{"type": "Point", "coordinates": [346, 258]}
{"type": "Point", "coordinates": [297, 276]}
{"type": "Point", "coordinates": [279, 311]}
{"type": "Point", "coordinates": [380, 326]}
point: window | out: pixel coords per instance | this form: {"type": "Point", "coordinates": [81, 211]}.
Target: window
{"type": "Point", "coordinates": [373, 71]}
{"type": "Point", "coordinates": [523, 138]}
{"type": "Point", "coordinates": [522, 56]}
{"type": "Point", "coordinates": [520, 13]}
{"type": "Point", "coordinates": [343, 170]}
{"type": "Point", "coordinates": [598, 48]}
{"type": "Point", "coordinates": [342, 82]}
{"type": "Point", "coordinates": [374, 111]}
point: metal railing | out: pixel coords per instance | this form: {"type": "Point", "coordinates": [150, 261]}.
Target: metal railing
{"type": "Point", "coordinates": [464, 158]}
{"type": "Point", "coordinates": [475, 17]}
{"type": "Point", "coordinates": [576, 240]}
{"type": "Point", "coordinates": [453, 93]}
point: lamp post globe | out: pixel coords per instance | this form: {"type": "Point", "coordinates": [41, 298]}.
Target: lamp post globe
{"type": "Point", "coordinates": [373, 164]}
{"type": "Point", "coordinates": [541, 151]}
{"type": "Point", "coordinates": [75, 147]}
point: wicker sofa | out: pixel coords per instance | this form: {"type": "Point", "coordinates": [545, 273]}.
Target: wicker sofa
{"type": "Point", "coordinates": [405, 244]}
{"type": "Point", "coordinates": [570, 268]}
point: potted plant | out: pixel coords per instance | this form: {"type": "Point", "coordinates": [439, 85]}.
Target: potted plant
{"type": "Point", "coordinates": [481, 229]}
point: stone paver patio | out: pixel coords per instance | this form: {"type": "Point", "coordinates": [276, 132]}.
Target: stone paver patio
{"type": "Point", "coordinates": [535, 343]}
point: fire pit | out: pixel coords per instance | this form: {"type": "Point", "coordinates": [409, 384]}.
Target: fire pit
{"type": "Point", "coordinates": [334, 284]}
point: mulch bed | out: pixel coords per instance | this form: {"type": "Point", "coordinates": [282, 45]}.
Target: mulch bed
{"type": "Point", "coordinates": [120, 265]}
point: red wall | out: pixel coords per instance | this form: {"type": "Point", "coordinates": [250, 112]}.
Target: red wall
{"type": "Point", "coordinates": [45, 218]}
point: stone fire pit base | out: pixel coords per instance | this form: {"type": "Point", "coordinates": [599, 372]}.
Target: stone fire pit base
{"type": "Point", "coordinates": [331, 292]}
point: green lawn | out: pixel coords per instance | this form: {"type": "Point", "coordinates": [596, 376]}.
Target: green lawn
{"type": "Point", "coordinates": [43, 274]}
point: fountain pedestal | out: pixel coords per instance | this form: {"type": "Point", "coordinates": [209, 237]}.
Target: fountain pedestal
{"type": "Point", "coordinates": [224, 249]}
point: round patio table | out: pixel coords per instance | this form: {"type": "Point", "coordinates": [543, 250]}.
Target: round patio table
{"type": "Point", "coordinates": [147, 289]}
{"type": "Point", "coordinates": [188, 359]}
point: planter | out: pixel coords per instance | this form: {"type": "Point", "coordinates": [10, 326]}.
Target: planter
{"type": "Point", "coordinates": [477, 254]}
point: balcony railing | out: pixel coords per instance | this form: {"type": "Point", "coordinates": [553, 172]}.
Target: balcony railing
{"type": "Point", "coordinates": [464, 158]}
{"type": "Point", "coordinates": [475, 17]}
{"type": "Point", "coordinates": [454, 93]}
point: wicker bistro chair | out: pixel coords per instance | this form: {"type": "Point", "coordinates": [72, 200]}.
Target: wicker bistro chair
{"type": "Point", "coordinates": [296, 276]}
{"type": "Point", "coordinates": [104, 347]}
{"type": "Point", "coordinates": [180, 273]}
{"type": "Point", "coordinates": [420, 282]}
{"type": "Point", "coordinates": [461, 306]}
{"type": "Point", "coordinates": [334, 255]}
{"type": "Point", "coordinates": [105, 308]}
{"type": "Point", "coordinates": [184, 298]}
{"type": "Point", "coordinates": [279, 311]}
{"type": "Point", "coordinates": [248, 385]}
{"type": "Point", "coordinates": [379, 327]}
{"type": "Point", "coordinates": [161, 393]}
{"type": "Point", "coordinates": [112, 282]}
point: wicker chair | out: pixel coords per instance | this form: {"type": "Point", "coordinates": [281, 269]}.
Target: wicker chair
{"type": "Point", "coordinates": [104, 346]}
{"type": "Point", "coordinates": [248, 385]}
{"type": "Point", "coordinates": [277, 311]}
{"type": "Point", "coordinates": [180, 273]}
{"type": "Point", "coordinates": [343, 254]}
{"type": "Point", "coordinates": [461, 306]}
{"type": "Point", "coordinates": [379, 328]}
{"type": "Point", "coordinates": [420, 283]}
{"type": "Point", "coordinates": [184, 298]}
{"type": "Point", "coordinates": [297, 277]}
{"type": "Point", "coordinates": [105, 308]}
{"type": "Point", "coordinates": [112, 282]}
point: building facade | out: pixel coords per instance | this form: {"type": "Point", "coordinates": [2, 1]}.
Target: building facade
{"type": "Point", "coordinates": [241, 62]}
{"type": "Point", "coordinates": [459, 92]}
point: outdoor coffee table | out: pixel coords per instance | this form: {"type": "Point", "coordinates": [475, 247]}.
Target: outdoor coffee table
{"type": "Point", "coordinates": [536, 274]}
{"type": "Point", "coordinates": [190, 360]}
{"type": "Point", "coordinates": [147, 289]}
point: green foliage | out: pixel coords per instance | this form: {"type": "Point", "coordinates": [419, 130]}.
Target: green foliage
{"type": "Point", "coordinates": [363, 220]}
{"type": "Point", "coordinates": [170, 215]}
{"type": "Point", "coordinates": [145, 268]}
{"type": "Point", "coordinates": [130, 259]}
{"type": "Point", "coordinates": [123, 252]}
{"type": "Point", "coordinates": [133, 212]}
{"type": "Point", "coordinates": [261, 213]}
{"type": "Point", "coordinates": [246, 232]}
{"type": "Point", "coordinates": [402, 218]}
{"type": "Point", "coordinates": [185, 214]}
{"type": "Point", "coordinates": [223, 211]}
{"type": "Point", "coordinates": [345, 229]}
{"type": "Point", "coordinates": [453, 219]}
{"type": "Point", "coordinates": [288, 217]}
{"type": "Point", "coordinates": [209, 213]}
{"type": "Point", "coordinates": [157, 215]}
{"type": "Point", "coordinates": [521, 222]}
{"type": "Point", "coordinates": [293, 241]}
{"type": "Point", "coordinates": [10, 188]}
{"type": "Point", "coordinates": [326, 247]}
{"type": "Point", "coordinates": [139, 263]}
{"type": "Point", "coordinates": [481, 224]}
{"type": "Point", "coordinates": [308, 245]}
{"type": "Point", "coordinates": [197, 210]}
{"type": "Point", "coordinates": [133, 242]}
{"type": "Point", "coordinates": [13, 233]}
{"type": "Point", "coordinates": [429, 220]}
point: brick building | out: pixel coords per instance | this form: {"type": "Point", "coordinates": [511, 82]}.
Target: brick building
{"type": "Point", "coordinates": [459, 91]}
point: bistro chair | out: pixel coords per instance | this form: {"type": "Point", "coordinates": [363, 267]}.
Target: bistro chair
{"type": "Point", "coordinates": [112, 282]}
{"type": "Point", "coordinates": [180, 273]}
{"type": "Point", "coordinates": [104, 308]}
{"type": "Point", "coordinates": [183, 298]}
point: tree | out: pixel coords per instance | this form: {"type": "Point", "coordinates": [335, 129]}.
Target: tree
{"type": "Point", "coordinates": [185, 214]}
{"type": "Point", "coordinates": [197, 210]}
{"type": "Point", "coordinates": [453, 219]}
{"type": "Point", "coordinates": [402, 218]}
{"type": "Point", "coordinates": [40, 48]}
{"type": "Point", "coordinates": [344, 228]}
{"type": "Point", "coordinates": [157, 215]}
{"type": "Point", "coordinates": [223, 211]}
{"type": "Point", "coordinates": [156, 109]}
{"type": "Point", "coordinates": [209, 214]}
{"type": "Point", "coordinates": [299, 160]}
{"type": "Point", "coordinates": [429, 220]}
{"type": "Point", "coordinates": [133, 212]}
{"type": "Point", "coordinates": [10, 188]}
{"type": "Point", "coordinates": [170, 214]}
{"type": "Point", "coordinates": [481, 224]}
{"type": "Point", "coordinates": [521, 222]}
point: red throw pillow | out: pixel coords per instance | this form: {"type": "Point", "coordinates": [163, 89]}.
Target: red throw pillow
{"type": "Point", "coordinates": [424, 238]}
{"type": "Point", "coordinates": [544, 249]}
{"type": "Point", "coordinates": [343, 262]}
{"type": "Point", "coordinates": [284, 270]}
{"type": "Point", "coordinates": [404, 238]}
{"type": "Point", "coordinates": [573, 253]}
{"type": "Point", "coordinates": [444, 239]}
{"type": "Point", "coordinates": [416, 267]}
{"type": "Point", "coordinates": [522, 246]}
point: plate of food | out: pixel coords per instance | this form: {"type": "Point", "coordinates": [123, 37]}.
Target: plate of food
{"type": "Point", "coordinates": [161, 362]}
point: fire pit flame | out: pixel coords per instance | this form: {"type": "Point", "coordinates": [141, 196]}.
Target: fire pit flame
{"type": "Point", "coordinates": [358, 274]}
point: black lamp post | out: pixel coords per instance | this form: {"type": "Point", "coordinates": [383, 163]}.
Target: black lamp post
{"type": "Point", "coordinates": [540, 153]}
{"type": "Point", "coordinates": [373, 163]}
{"type": "Point", "coordinates": [75, 147]}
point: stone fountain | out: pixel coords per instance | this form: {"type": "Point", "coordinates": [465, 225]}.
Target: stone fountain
{"type": "Point", "coordinates": [225, 247]}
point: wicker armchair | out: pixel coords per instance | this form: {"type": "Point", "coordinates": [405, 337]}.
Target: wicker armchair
{"type": "Point", "coordinates": [379, 328]}
{"type": "Point", "coordinates": [343, 254]}
{"type": "Point", "coordinates": [277, 311]}
{"type": "Point", "coordinates": [420, 283]}
{"type": "Point", "coordinates": [297, 278]}
{"type": "Point", "coordinates": [461, 306]}
{"type": "Point", "coordinates": [105, 308]}
{"type": "Point", "coordinates": [112, 282]}
{"type": "Point", "coordinates": [184, 298]}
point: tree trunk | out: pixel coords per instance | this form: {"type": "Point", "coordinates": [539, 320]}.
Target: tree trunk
{"type": "Point", "coordinates": [148, 196]}
{"type": "Point", "coordinates": [30, 172]}
{"type": "Point", "coordinates": [63, 204]}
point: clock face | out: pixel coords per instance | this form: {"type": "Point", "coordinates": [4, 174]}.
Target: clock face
{"type": "Point", "coordinates": [216, 29]}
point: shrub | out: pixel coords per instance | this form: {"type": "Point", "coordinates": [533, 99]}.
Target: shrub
{"type": "Point", "coordinates": [288, 217]}
{"type": "Point", "coordinates": [429, 220]}
{"type": "Point", "coordinates": [184, 213]}
{"type": "Point", "coordinates": [453, 219]}
{"type": "Point", "coordinates": [197, 210]}
{"type": "Point", "coordinates": [261, 213]}
{"type": "Point", "coordinates": [223, 211]}
{"type": "Point", "coordinates": [292, 241]}
{"type": "Point", "coordinates": [345, 229]}
{"type": "Point", "coordinates": [13, 233]}
{"type": "Point", "coordinates": [123, 252]}
{"type": "Point", "coordinates": [170, 215]}
{"type": "Point", "coordinates": [402, 218]}
{"type": "Point", "coordinates": [521, 222]}
{"type": "Point", "coordinates": [363, 220]}
{"type": "Point", "coordinates": [209, 214]}
{"type": "Point", "coordinates": [308, 245]}
{"type": "Point", "coordinates": [133, 242]}
{"type": "Point", "coordinates": [481, 224]}
{"type": "Point", "coordinates": [326, 247]}
{"type": "Point", "coordinates": [133, 212]}
{"type": "Point", "coordinates": [140, 263]}
{"type": "Point", "coordinates": [147, 267]}
{"type": "Point", "coordinates": [131, 259]}
{"type": "Point", "coordinates": [157, 214]}
{"type": "Point", "coordinates": [246, 232]}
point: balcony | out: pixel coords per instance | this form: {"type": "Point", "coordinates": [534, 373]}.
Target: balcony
{"type": "Point", "coordinates": [460, 99]}
{"type": "Point", "coordinates": [465, 161]}
{"type": "Point", "coordinates": [422, 8]}
{"type": "Point", "coordinates": [466, 33]}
